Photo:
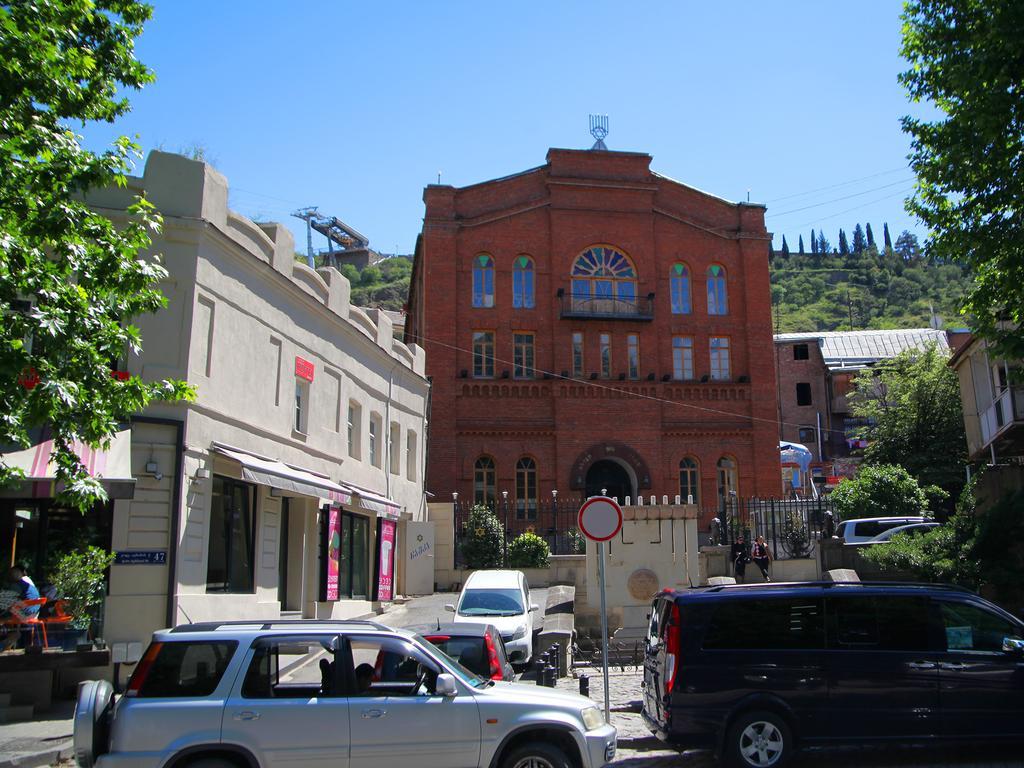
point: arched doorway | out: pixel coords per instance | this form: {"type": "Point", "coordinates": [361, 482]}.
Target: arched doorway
{"type": "Point", "coordinates": [611, 478]}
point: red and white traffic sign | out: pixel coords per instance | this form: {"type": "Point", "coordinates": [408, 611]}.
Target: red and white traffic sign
{"type": "Point", "coordinates": [600, 518]}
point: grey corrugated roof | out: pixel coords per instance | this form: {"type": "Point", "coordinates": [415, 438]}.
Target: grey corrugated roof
{"type": "Point", "coordinates": [845, 349]}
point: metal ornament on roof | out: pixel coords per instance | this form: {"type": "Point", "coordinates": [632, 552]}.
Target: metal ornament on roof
{"type": "Point", "coordinates": [599, 129]}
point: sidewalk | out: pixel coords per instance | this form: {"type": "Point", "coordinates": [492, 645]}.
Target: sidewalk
{"type": "Point", "coordinates": [40, 742]}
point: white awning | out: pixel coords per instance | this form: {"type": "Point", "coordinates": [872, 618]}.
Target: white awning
{"type": "Point", "coordinates": [285, 477]}
{"type": "Point", "coordinates": [112, 467]}
{"type": "Point", "coordinates": [374, 502]}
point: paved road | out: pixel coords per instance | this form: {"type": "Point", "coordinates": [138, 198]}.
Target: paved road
{"type": "Point", "coordinates": [424, 610]}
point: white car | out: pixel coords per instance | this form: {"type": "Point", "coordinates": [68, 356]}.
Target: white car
{"type": "Point", "coordinates": [501, 598]}
{"type": "Point", "coordinates": [866, 528]}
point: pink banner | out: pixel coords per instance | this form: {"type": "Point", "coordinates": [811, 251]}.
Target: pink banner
{"type": "Point", "coordinates": [332, 554]}
{"type": "Point", "coordinates": [386, 560]}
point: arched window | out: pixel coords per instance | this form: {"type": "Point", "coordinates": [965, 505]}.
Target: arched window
{"type": "Point", "coordinates": [483, 281]}
{"type": "Point", "coordinates": [718, 295]}
{"type": "Point", "coordinates": [526, 489]}
{"type": "Point", "coordinates": [603, 280]}
{"type": "Point", "coordinates": [484, 481]}
{"type": "Point", "coordinates": [522, 283]}
{"type": "Point", "coordinates": [728, 484]}
{"type": "Point", "coordinates": [679, 289]}
{"type": "Point", "coordinates": [689, 480]}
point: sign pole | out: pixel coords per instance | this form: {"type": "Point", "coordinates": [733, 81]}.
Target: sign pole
{"type": "Point", "coordinates": [604, 628]}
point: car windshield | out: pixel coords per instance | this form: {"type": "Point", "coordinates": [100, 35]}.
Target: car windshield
{"type": "Point", "coordinates": [468, 676]}
{"type": "Point", "coordinates": [491, 602]}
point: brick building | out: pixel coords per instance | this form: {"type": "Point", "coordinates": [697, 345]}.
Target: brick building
{"type": "Point", "coordinates": [591, 324]}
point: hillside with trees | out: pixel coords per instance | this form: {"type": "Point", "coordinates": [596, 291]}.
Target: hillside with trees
{"type": "Point", "coordinates": [384, 284]}
{"type": "Point", "coordinates": [863, 284]}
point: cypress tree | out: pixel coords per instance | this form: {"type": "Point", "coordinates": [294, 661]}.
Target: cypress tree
{"type": "Point", "coordinates": [801, 244]}
{"type": "Point", "coordinates": [824, 246]}
{"type": "Point", "coordinates": [885, 234]}
{"type": "Point", "coordinates": [859, 243]}
{"type": "Point", "coordinates": [785, 246]}
{"type": "Point", "coordinates": [814, 243]}
{"type": "Point", "coordinates": [844, 247]}
{"type": "Point", "coordinates": [871, 237]}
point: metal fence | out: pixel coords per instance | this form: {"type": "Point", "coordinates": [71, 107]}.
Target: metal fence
{"type": "Point", "coordinates": [791, 527]}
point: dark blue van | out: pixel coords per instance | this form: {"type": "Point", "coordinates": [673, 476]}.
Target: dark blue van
{"type": "Point", "coordinates": [756, 671]}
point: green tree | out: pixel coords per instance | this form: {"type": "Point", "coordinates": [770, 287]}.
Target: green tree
{"type": "Point", "coordinates": [370, 276]}
{"type": "Point", "coordinates": [528, 550]}
{"type": "Point", "coordinates": [886, 239]}
{"type": "Point", "coordinates": [908, 247]}
{"type": "Point", "coordinates": [483, 539]}
{"type": "Point", "coordinates": [844, 246]}
{"type": "Point", "coordinates": [801, 245]}
{"type": "Point", "coordinates": [785, 246]}
{"type": "Point", "coordinates": [350, 272]}
{"type": "Point", "coordinates": [859, 241]}
{"type": "Point", "coordinates": [870, 235]}
{"type": "Point", "coordinates": [814, 243]}
{"type": "Point", "coordinates": [879, 491]}
{"type": "Point", "coordinates": [70, 280]}
{"type": "Point", "coordinates": [912, 403]}
{"type": "Point", "coordinates": [966, 58]}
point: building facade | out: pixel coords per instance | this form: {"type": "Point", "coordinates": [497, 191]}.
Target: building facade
{"type": "Point", "coordinates": [591, 325]}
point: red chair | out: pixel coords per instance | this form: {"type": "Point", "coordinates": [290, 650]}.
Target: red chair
{"type": "Point", "coordinates": [21, 619]}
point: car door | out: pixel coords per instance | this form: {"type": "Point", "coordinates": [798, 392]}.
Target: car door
{"type": "Point", "coordinates": [654, 689]}
{"type": "Point", "coordinates": [287, 706]}
{"type": "Point", "coordinates": [981, 686]}
{"type": "Point", "coordinates": [397, 720]}
{"type": "Point", "coordinates": [883, 678]}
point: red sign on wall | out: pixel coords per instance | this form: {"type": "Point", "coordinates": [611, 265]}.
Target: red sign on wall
{"type": "Point", "coordinates": [303, 369]}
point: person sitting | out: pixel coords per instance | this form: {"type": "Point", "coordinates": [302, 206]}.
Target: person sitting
{"type": "Point", "coordinates": [364, 678]}
{"type": "Point", "coordinates": [25, 587]}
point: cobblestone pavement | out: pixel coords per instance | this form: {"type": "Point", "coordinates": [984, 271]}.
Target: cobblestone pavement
{"type": "Point", "coordinates": [639, 749]}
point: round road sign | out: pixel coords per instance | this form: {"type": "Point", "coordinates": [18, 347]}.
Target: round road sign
{"type": "Point", "coordinates": [600, 518]}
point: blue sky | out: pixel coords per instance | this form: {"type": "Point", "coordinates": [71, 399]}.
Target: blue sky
{"type": "Point", "coordinates": [355, 107]}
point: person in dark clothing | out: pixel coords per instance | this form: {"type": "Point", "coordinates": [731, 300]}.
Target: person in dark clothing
{"type": "Point", "coordinates": [761, 556]}
{"type": "Point", "coordinates": [740, 558]}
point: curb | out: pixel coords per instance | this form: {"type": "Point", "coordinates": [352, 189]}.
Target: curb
{"type": "Point", "coordinates": [42, 759]}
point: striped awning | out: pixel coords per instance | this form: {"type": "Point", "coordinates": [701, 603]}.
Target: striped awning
{"type": "Point", "coordinates": [285, 477]}
{"type": "Point", "coordinates": [111, 467]}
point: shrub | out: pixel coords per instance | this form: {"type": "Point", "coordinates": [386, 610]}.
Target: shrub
{"type": "Point", "coordinates": [577, 542]}
{"type": "Point", "coordinates": [528, 550]}
{"type": "Point", "coordinates": [885, 490]}
{"type": "Point", "coordinates": [483, 540]}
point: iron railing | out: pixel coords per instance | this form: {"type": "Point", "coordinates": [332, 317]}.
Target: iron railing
{"type": "Point", "coordinates": [602, 306]}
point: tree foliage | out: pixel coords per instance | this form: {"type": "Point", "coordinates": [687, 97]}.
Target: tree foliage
{"type": "Point", "coordinates": [70, 280]}
{"type": "Point", "coordinates": [483, 539]}
{"type": "Point", "coordinates": [913, 408]}
{"type": "Point", "coordinates": [528, 550]}
{"type": "Point", "coordinates": [967, 59]}
{"type": "Point", "coordinates": [879, 491]}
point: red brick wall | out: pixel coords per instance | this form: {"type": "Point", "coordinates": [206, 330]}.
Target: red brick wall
{"type": "Point", "coordinates": [553, 213]}
{"type": "Point", "coordinates": [811, 371]}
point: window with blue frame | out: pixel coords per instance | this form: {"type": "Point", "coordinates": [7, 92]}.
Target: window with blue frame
{"type": "Point", "coordinates": [483, 281]}
{"type": "Point", "coordinates": [603, 275]}
{"type": "Point", "coordinates": [522, 283]}
{"type": "Point", "coordinates": [679, 289]}
{"type": "Point", "coordinates": [718, 296]}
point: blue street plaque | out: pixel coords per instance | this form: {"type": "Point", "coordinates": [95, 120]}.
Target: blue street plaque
{"type": "Point", "coordinates": [141, 557]}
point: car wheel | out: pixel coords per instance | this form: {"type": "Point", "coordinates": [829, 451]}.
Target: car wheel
{"type": "Point", "coordinates": [211, 762]}
{"type": "Point", "coordinates": [758, 739]}
{"type": "Point", "coordinates": [536, 754]}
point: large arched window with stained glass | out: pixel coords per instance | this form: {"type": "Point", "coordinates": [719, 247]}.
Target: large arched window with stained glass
{"type": "Point", "coordinates": [603, 280]}
{"type": "Point", "coordinates": [483, 281]}
{"type": "Point", "coordinates": [718, 294]}
{"type": "Point", "coordinates": [522, 283]}
{"type": "Point", "coordinates": [484, 481]}
{"type": "Point", "coordinates": [679, 289]}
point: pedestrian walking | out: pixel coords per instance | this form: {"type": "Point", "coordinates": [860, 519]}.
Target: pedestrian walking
{"type": "Point", "coordinates": [761, 556]}
{"type": "Point", "coordinates": [740, 558]}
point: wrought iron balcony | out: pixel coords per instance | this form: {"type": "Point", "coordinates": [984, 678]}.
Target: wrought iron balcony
{"type": "Point", "coordinates": [604, 307]}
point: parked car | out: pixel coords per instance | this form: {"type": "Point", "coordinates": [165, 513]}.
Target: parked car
{"type": "Point", "coordinates": [866, 528]}
{"type": "Point", "coordinates": [477, 647]}
{"type": "Point", "coordinates": [501, 598]}
{"type": "Point", "coordinates": [758, 671]}
{"type": "Point", "coordinates": [913, 529]}
{"type": "Point", "coordinates": [323, 694]}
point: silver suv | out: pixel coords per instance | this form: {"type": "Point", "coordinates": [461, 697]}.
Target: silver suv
{"type": "Point", "coordinates": [326, 693]}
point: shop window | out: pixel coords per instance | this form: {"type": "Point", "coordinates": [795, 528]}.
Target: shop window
{"type": "Point", "coordinates": [577, 355]}
{"type": "Point", "coordinates": [523, 355]}
{"type": "Point", "coordinates": [483, 281]}
{"type": "Point", "coordinates": [375, 438]}
{"type": "Point", "coordinates": [232, 524]}
{"type": "Point", "coordinates": [689, 480]}
{"type": "Point", "coordinates": [633, 355]}
{"type": "Point", "coordinates": [526, 489]}
{"type": "Point", "coordinates": [484, 481]}
{"type": "Point", "coordinates": [679, 289]}
{"type": "Point", "coordinates": [719, 346]}
{"type": "Point", "coordinates": [410, 456]}
{"type": "Point", "coordinates": [483, 354]}
{"type": "Point", "coordinates": [522, 283]}
{"type": "Point", "coordinates": [718, 295]}
{"type": "Point", "coordinates": [803, 393]}
{"type": "Point", "coordinates": [355, 430]}
{"type": "Point", "coordinates": [354, 557]}
{"type": "Point", "coordinates": [682, 357]}
{"type": "Point", "coordinates": [395, 448]}
{"type": "Point", "coordinates": [801, 352]}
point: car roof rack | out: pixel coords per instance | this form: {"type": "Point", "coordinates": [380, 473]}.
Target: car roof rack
{"type": "Point", "coordinates": [263, 624]}
{"type": "Point", "coordinates": [838, 584]}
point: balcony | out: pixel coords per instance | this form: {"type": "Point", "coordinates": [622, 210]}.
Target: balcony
{"type": "Point", "coordinates": [1006, 411]}
{"type": "Point", "coordinates": [584, 306]}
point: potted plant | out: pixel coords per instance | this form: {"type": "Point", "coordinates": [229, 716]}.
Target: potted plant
{"type": "Point", "coordinates": [79, 579]}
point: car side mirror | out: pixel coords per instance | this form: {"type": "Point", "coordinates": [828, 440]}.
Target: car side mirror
{"type": "Point", "coordinates": [534, 607]}
{"type": "Point", "coordinates": [445, 685]}
{"type": "Point", "coordinates": [1013, 645]}
{"type": "Point", "coordinates": [449, 607]}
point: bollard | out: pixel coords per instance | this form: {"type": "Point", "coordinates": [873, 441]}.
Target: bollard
{"type": "Point", "coordinates": [556, 658]}
{"type": "Point", "coordinates": [540, 675]}
{"type": "Point", "coordinates": [584, 685]}
{"type": "Point", "coordinates": [549, 676]}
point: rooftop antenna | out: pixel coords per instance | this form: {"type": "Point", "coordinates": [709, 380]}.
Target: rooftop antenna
{"type": "Point", "coordinates": [599, 129]}
{"type": "Point", "coordinates": [307, 214]}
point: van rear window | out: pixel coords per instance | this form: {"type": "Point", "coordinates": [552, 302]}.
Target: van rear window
{"type": "Point", "coordinates": [766, 624]}
{"type": "Point", "coordinates": [184, 669]}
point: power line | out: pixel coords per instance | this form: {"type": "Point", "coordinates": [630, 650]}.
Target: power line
{"type": "Point", "coordinates": [901, 193]}
{"type": "Point", "coordinates": [840, 199]}
{"type": "Point", "coordinates": [840, 184]}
